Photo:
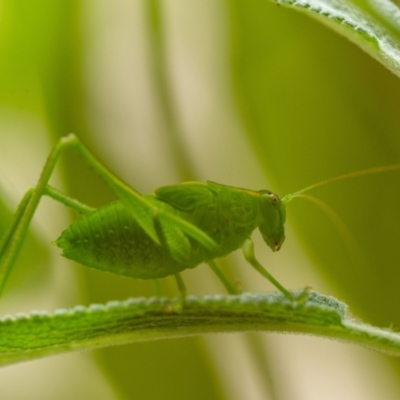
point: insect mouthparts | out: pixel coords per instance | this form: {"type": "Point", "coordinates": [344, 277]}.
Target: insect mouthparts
{"type": "Point", "coordinates": [278, 244]}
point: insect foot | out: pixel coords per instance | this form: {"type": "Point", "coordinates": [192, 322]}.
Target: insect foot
{"type": "Point", "coordinates": [302, 295]}
{"type": "Point", "coordinates": [176, 305]}
{"type": "Point", "coordinates": [179, 304]}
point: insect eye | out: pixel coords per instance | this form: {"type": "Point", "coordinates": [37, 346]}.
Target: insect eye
{"type": "Point", "coordinates": [275, 199]}
{"type": "Point", "coordinates": [272, 197]}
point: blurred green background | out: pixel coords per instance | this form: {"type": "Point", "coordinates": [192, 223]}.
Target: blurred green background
{"type": "Point", "coordinates": [242, 93]}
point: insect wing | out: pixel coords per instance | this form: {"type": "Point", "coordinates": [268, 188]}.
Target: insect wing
{"type": "Point", "coordinates": [173, 238]}
{"type": "Point", "coordinates": [185, 196]}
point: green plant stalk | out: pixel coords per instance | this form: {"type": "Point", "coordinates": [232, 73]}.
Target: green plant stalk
{"type": "Point", "coordinates": [83, 328]}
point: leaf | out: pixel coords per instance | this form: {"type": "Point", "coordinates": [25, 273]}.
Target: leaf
{"type": "Point", "coordinates": [355, 24]}
{"type": "Point", "coordinates": [134, 320]}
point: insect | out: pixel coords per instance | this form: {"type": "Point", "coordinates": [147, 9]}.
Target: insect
{"type": "Point", "coordinates": [154, 236]}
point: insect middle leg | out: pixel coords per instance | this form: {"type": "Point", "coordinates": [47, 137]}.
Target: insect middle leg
{"type": "Point", "coordinates": [231, 289]}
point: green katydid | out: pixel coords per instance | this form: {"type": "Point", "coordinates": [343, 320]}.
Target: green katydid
{"type": "Point", "coordinates": [154, 236]}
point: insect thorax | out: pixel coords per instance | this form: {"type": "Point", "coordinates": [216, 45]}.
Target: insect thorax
{"type": "Point", "coordinates": [229, 218]}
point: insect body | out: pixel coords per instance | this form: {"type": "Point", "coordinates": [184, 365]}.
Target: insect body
{"type": "Point", "coordinates": [154, 236]}
{"type": "Point", "coordinates": [110, 239]}
{"type": "Point", "coordinates": [150, 237]}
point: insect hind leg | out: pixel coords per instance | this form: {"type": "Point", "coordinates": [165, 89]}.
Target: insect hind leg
{"type": "Point", "coordinates": [140, 208]}
{"type": "Point", "coordinates": [10, 241]}
{"type": "Point", "coordinates": [14, 236]}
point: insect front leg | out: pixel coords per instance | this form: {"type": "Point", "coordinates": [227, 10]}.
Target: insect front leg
{"type": "Point", "coordinates": [248, 252]}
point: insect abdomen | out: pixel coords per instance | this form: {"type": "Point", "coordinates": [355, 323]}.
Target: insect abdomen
{"type": "Point", "coordinates": [109, 239]}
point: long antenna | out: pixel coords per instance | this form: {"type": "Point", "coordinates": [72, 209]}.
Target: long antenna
{"type": "Point", "coordinates": [376, 170]}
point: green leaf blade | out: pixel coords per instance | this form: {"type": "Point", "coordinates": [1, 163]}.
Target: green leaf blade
{"type": "Point", "coordinates": [355, 24]}
{"type": "Point", "coordinates": [41, 334]}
